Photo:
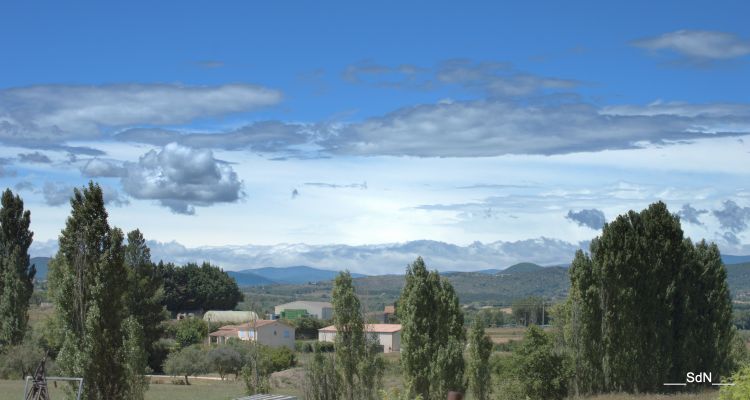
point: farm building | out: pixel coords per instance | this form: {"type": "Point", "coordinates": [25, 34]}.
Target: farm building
{"type": "Point", "coordinates": [296, 309]}
{"type": "Point", "coordinates": [230, 317]}
{"type": "Point", "coordinates": [266, 332]}
{"type": "Point", "coordinates": [388, 335]}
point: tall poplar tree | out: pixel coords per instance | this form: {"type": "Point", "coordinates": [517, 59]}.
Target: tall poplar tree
{"type": "Point", "coordinates": [88, 286]}
{"type": "Point", "coordinates": [357, 362]}
{"type": "Point", "coordinates": [16, 275]}
{"type": "Point", "coordinates": [432, 334]}
{"type": "Point", "coordinates": [145, 294]}
{"type": "Point", "coordinates": [480, 349]}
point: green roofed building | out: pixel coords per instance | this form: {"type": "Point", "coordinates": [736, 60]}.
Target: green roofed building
{"type": "Point", "coordinates": [296, 309]}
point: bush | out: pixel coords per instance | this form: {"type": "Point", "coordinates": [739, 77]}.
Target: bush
{"type": "Point", "coordinates": [190, 331]}
{"type": "Point", "coordinates": [279, 358]}
{"type": "Point", "coordinates": [225, 360]}
{"type": "Point", "coordinates": [541, 371]}
{"type": "Point", "coordinates": [188, 361]}
{"type": "Point", "coordinates": [741, 388]}
{"type": "Point", "coordinates": [304, 346]}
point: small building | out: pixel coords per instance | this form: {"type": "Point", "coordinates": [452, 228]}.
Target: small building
{"type": "Point", "coordinates": [296, 309]}
{"type": "Point", "coordinates": [230, 317]}
{"type": "Point", "coordinates": [266, 332]}
{"type": "Point", "coordinates": [387, 335]}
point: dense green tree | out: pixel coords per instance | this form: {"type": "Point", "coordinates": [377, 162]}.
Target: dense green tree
{"type": "Point", "coordinates": [480, 349]}
{"type": "Point", "coordinates": [647, 297]}
{"type": "Point", "coordinates": [187, 362]}
{"type": "Point", "coordinates": [145, 294]}
{"type": "Point", "coordinates": [190, 331]}
{"type": "Point", "coordinates": [541, 370]}
{"type": "Point", "coordinates": [196, 286]}
{"type": "Point", "coordinates": [88, 288]}
{"type": "Point", "coordinates": [357, 363]}
{"type": "Point", "coordinates": [432, 334]}
{"type": "Point", "coordinates": [16, 275]}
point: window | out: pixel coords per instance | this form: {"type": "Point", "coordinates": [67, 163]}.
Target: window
{"type": "Point", "coordinates": [286, 334]}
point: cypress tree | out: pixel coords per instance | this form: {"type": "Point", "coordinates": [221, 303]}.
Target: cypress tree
{"type": "Point", "coordinates": [432, 334]}
{"type": "Point", "coordinates": [16, 275]}
{"type": "Point", "coordinates": [88, 287]}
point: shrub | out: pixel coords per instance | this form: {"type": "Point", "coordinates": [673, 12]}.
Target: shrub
{"type": "Point", "coordinates": [188, 361]}
{"type": "Point", "coordinates": [190, 331]}
{"type": "Point", "coordinates": [741, 388]}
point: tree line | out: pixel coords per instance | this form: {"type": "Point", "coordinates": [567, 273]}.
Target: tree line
{"type": "Point", "coordinates": [110, 299]}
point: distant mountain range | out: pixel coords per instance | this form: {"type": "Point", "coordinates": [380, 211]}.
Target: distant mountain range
{"type": "Point", "coordinates": [289, 275]}
{"type": "Point", "coordinates": [304, 274]}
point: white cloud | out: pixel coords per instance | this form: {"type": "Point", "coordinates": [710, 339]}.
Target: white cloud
{"type": "Point", "coordinates": [698, 44]}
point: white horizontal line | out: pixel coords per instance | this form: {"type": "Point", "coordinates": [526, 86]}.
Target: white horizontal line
{"type": "Point", "coordinates": [675, 384]}
{"type": "Point", "coordinates": [722, 384]}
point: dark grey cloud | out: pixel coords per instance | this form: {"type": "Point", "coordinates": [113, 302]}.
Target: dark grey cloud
{"type": "Point", "coordinates": [56, 194]}
{"type": "Point", "coordinates": [266, 136]}
{"type": "Point", "coordinates": [24, 186]}
{"type": "Point", "coordinates": [35, 157]}
{"type": "Point", "coordinates": [97, 167]}
{"type": "Point", "coordinates": [733, 217]}
{"type": "Point", "coordinates": [690, 214]}
{"type": "Point", "coordinates": [295, 194]}
{"type": "Point", "coordinates": [731, 238]}
{"type": "Point", "coordinates": [591, 218]}
{"type": "Point", "coordinates": [181, 178]}
{"type": "Point", "coordinates": [697, 44]}
{"type": "Point", "coordinates": [493, 128]}
{"type": "Point", "coordinates": [57, 113]}
{"type": "Point", "coordinates": [4, 162]}
{"type": "Point", "coordinates": [362, 185]}
{"type": "Point", "coordinates": [376, 259]}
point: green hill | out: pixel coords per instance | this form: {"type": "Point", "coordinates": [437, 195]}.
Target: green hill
{"type": "Point", "coordinates": [522, 267]}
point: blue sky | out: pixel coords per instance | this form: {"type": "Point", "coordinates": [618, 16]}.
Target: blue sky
{"type": "Point", "coordinates": [341, 124]}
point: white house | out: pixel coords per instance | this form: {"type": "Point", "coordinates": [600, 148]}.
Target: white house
{"type": "Point", "coordinates": [388, 335]}
{"type": "Point", "coordinates": [266, 332]}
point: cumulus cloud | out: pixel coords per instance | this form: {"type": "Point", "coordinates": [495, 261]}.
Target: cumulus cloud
{"type": "Point", "coordinates": [492, 128]}
{"type": "Point", "coordinates": [97, 167]}
{"type": "Point", "coordinates": [362, 185]}
{"type": "Point", "coordinates": [732, 217]}
{"type": "Point", "coordinates": [266, 136]}
{"type": "Point", "coordinates": [35, 157]}
{"type": "Point", "coordinates": [690, 214]}
{"type": "Point", "coordinates": [697, 44]}
{"type": "Point", "coordinates": [591, 218]}
{"type": "Point", "coordinates": [56, 113]}
{"type": "Point", "coordinates": [181, 178]}
{"type": "Point", "coordinates": [376, 259]}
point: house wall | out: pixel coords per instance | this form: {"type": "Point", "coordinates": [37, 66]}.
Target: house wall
{"type": "Point", "coordinates": [391, 342]}
{"type": "Point", "coordinates": [276, 335]}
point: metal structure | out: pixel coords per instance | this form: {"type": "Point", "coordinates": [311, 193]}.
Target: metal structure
{"type": "Point", "coordinates": [39, 390]}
